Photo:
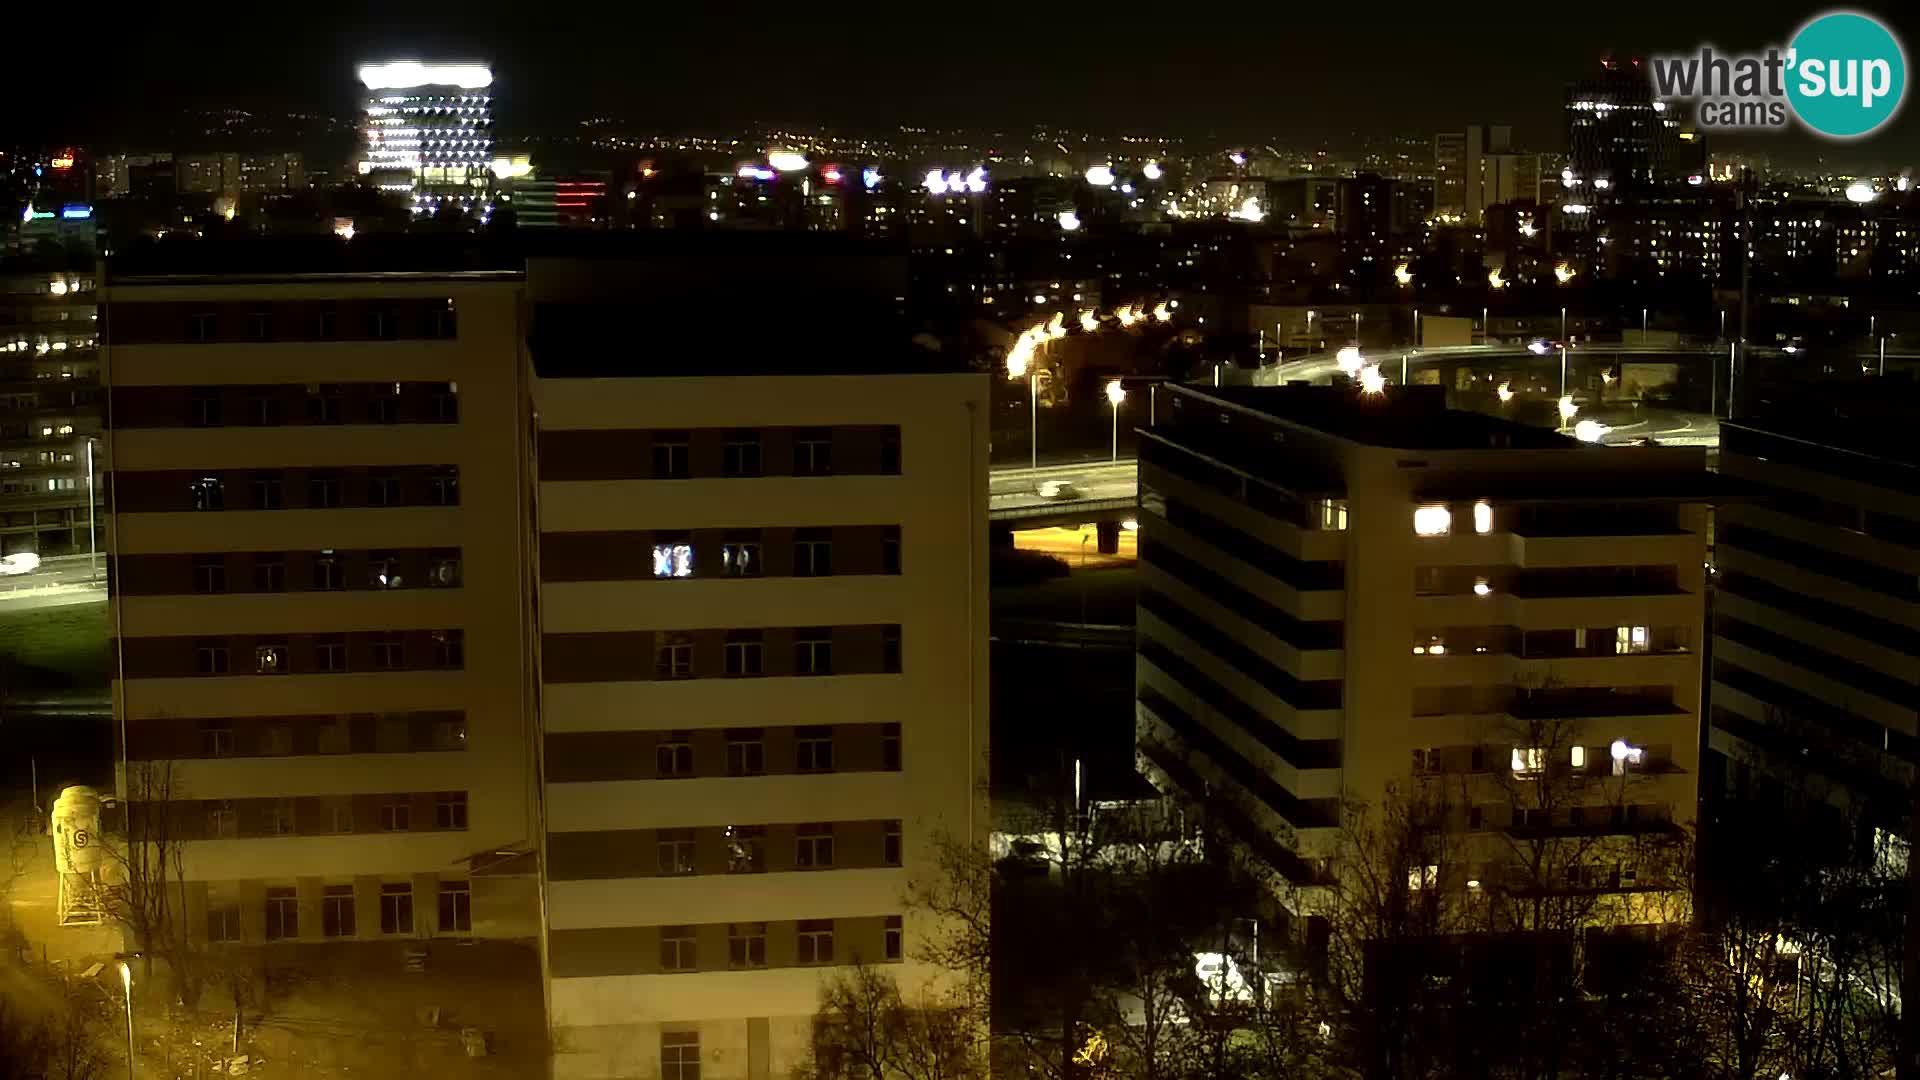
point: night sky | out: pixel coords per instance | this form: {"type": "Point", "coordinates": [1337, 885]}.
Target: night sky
{"type": "Point", "coordinates": [1281, 70]}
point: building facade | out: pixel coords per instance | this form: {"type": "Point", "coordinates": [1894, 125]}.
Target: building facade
{"type": "Point", "coordinates": [1346, 596]}
{"type": "Point", "coordinates": [319, 600]}
{"type": "Point", "coordinates": [428, 133]}
{"type": "Point", "coordinates": [1816, 616]}
{"type": "Point", "coordinates": [763, 671]}
{"type": "Point", "coordinates": [50, 455]}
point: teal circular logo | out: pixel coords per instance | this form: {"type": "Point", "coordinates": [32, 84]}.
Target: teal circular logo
{"type": "Point", "coordinates": [1847, 75]}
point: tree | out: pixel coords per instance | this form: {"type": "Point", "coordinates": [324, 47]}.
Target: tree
{"type": "Point", "coordinates": [866, 1030]}
{"type": "Point", "coordinates": [147, 893]}
{"type": "Point", "coordinates": [59, 1035]}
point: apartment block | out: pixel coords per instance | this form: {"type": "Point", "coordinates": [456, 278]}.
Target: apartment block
{"type": "Point", "coordinates": [49, 411]}
{"type": "Point", "coordinates": [1816, 617]}
{"type": "Point", "coordinates": [763, 672]}
{"type": "Point", "coordinates": [1345, 594]}
{"type": "Point", "coordinates": [320, 605]}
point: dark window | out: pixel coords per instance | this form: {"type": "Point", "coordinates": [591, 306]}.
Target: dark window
{"type": "Point", "coordinates": [890, 747]}
{"type": "Point", "coordinates": [446, 403]}
{"type": "Point", "coordinates": [815, 941]}
{"type": "Point", "coordinates": [450, 733]}
{"type": "Point", "coordinates": [264, 409]}
{"type": "Point", "coordinates": [891, 845]}
{"type": "Point", "coordinates": [813, 452]}
{"type": "Point", "coordinates": [890, 649]}
{"type": "Point", "coordinates": [813, 652]}
{"type": "Point", "coordinates": [381, 324]}
{"type": "Point", "coordinates": [747, 945]}
{"type": "Point", "coordinates": [259, 326]}
{"type": "Point", "coordinates": [679, 1055]}
{"type": "Point", "coordinates": [443, 569]}
{"type": "Point", "coordinates": [200, 327]}
{"type": "Point", "coordinates": [323, 490]}
{"type": "Point", "coordinates": [383, 489]}
{"type": "Point", "coordinates": [443, 488]}
{"type": "Point", "coordinates": [207, 493]}
{"type": "Point", "coordinates": [676, 948]}
{"type": "Point", "coordinates": [222, 822]}
{"type": "Point", "coordinates": [670, 455]}
{"type": "Point", "coordinates": [746, 752]}
{"type": "Point", "coordinates": [327, 325]}
{"type": "Point", "coordinates": [280, 815]}
{"type": "Point", "coordinates": [890, 452]}
{"type": "Point", "coordinates": [388, 652]}
{"type": "Point", "coordinates": [336, 911]}
{"type": "Point", "coordinates": [449, 648]}
{"type": "Point", "coordinates": [673, 849]}
{"type": "Point", "coordinates": [396, 908]}
{"type": "Point", "coordinates": [741, 455]}
{"type": "Point", "coordinates": [745, 652]}
{"type": "Point", "coordinates": [216, 738]}
{"type": "Point", "coordinates": [330, 653]}
{"type": "Point", "coordinates": [396, 817]}
{"type": "Point", "coordinates": [890, 550]}
{"type": "Point", "coordinates": [445, 325]}
{"type": "Point", "coordinates": [896, 934]}
{"type": "Point", "coordinates": [329, 572]}
{"type": "Point", "coordinates": [210, 657]}
{"type": "Point", "coordinates": [815, 847]}
{"type": "Point", "coordinates": [450, 810]}
{"type": "Point", "coordinates": [268, 492]}
{"type": "Point", "coordinates": [673, 658]}
{"type": "Point", "coordinates": [283, 914]}
{"type": "Point", "coordinates": [813, 553]}
{"type": "Point", "coordinates": [223, 922]}
{"type": "Point", "coordinates": [813, 749]}
{"type": "Point", "coordinates": [323, 404]}
{"type": "Point", "coordinates": [456, 907]}
{"type": "Point", "coordinates": [673, 755]}
{"type": "Point", "coordinates": [384, 406]}
{"type": "Point", "coordinates": [206, 407]}
{"type": "Point", "coordinates": [210, 573]}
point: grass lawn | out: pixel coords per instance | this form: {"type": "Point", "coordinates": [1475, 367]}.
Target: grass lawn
{"type": "Point", "coordinates": [54, 647]}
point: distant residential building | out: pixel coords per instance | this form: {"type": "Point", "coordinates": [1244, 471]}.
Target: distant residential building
{"type": "Point", "coordinates": [1459, 162]}
{"type": "Point", "coordinates": [1342, 595]}
{"type": "Point", "coordinates": [51, 462]}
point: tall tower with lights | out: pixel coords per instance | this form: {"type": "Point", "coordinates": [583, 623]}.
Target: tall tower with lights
{"type": "Point", "coordinates": [429, 133]}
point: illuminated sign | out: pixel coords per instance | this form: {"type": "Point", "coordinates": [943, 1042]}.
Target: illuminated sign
{"type": "Point", "coordinates": [404, 74]}
{"type": "Point", "coordinates": [75, 212]}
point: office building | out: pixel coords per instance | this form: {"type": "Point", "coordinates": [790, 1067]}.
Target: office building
{"type": "Point", "coordinates": [1619, 137]}
{"type": "Point", "coordinates": [1816, 618]}
{"type": "Point", "coordinates": [762, 655]}
{"type": "Point", "coordinates": [1343, 593]}
{"type": "Point", "coordinates": [49, 411]}
{"type": "Point", "coordinates": [320, 603]}
{"type": "Point", "coordinates": [428, 133]}
{"type": "Point", "coordinates": [1459, 166]}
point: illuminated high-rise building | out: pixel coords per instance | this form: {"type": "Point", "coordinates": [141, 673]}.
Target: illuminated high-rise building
{"type": "Point", "coordinates": [429, 133]}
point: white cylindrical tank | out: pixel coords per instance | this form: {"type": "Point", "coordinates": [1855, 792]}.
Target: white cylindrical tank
{"type": "Point", "coordinates": [76, 831]}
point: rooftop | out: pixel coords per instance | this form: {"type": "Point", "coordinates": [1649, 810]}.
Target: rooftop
{"type": "Point", "coordinates": [1400, 418]}
{"type": "Point", "coordinates": [1872, 418]}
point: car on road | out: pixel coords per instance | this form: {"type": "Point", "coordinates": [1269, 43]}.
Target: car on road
{"type": "Point", "coordinates": [1058, 489]}
{"type": "Point", "coordinates": [20, 562]}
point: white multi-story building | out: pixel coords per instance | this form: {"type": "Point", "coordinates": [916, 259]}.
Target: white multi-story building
{"type": "Point", "coordinates": [429, 133]}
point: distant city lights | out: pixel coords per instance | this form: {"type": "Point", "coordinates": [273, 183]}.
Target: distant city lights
{"type": "Point", "coordinates": [1505, 393]}
{"type": "Point", "coordinates": [1590, 431]}
{"type": "Point", "coordinates": [1861, 192]}
{"type": "Point", "coordinates": [786, 160]}
{"type": "Point", "coordinates": [1151, 170]}
{"type": "Point", "coordinates": [1068, 220]}
{"type": "Point", "coordinates": [870, 178]}
{"type": "Point", "coordinates": [1349, 361]}
{"type": "Point", "coordinates": [1249, 210]}
{"type": "Point", "coordinates": [1372, 382]}
{"type": "Point", "coordinates": [1100, 176]}
{"type": "Point", "coordinates": [1403, 274]}
{"type": "Point", "coordinates": [1564, 273]}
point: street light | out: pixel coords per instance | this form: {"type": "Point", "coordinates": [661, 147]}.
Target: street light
{"type": "Point", "coordinates": [126, 981]}
{"type": "Point", "coordinates": [1115, 395]}
{"type": "Point", "coordinates": [93, 551]}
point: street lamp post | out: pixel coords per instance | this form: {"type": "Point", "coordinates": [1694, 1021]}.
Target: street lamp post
{"type": "Point", "coordinates": [93, 550]}
{"type": "Point", "coordinates": [1115, 395]}
{"type": "Point", "coordinates": [1643, 325]}
{"type": "Point", "coordinates": [126, 981]}
{"type": "Point", "coordinates": [1563, 371]}
{"type": "Point", "coordinates": [1033, 408]}
{"type": "Point", "coordinates": [1356, 329]}
{"type": "Point", "coordinates": [1563, 323]}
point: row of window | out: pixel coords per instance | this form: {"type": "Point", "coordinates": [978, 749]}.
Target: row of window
{"type": "Point", "coordinates": [1263, 496]}
{"type": "Point", "coordinates": [276, 405]}
{"type": "Point", "coordinates": [744, 653]}
{"type": "Point", "coordinates": [1282, 684]}
{"type": "Point", "coordinates": [201, 323]}
{"type": "Point", "coordinates": [734, 752]}
{"type": "Point", "coordinates": [746, 848]}
{"type": "Point", "coordinates": [1550, 644]}
{"type": "Point", "coordinates": [327, 570]}
{"type": "Point", "coordinates": [339, 916]}
{"type": "Point", "coordinates": [324, 489]}
{"type": "Point", "coordinates": [1620, 758]}
{"type": "Point", "coordinates": [757, 652]}
{"type": "Point", "coordinates": [743, 554]}
{"type": "Point", "coordinates": [233, 819]}
{"type": "Point", "coordinates": [747, 944]}
{"type": "Point", "coordinates": [310, 654]}
{"type": "Point", "coordinates": [713, 453]}
{"type": "Point", "coordinates": [1824, 561]}
{"type": "Point", "coordinates": [169, 738]}
{"type": "Point", "coordinates": [1262, 556]}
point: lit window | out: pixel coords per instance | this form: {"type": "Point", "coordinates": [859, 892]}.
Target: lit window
{"type": "Point", "coordinates": [1482, 518]}
{"type": "Point", "coordinates": [672, 560]}
{"type": "Point", "coordinates": [1630, 639]}
{"type": "Point", "coordinates": [1423, 877]}
{"type": "Point", "coordinates": [1333, 514]}
{"type": "Point", "coordinates": [1481, 587]}
{"type": "Point", "coordinates": [1432, 521]}
{"type": "Point", "coordinates": [1529, 761]}
{"type": "Point", "coordinates": [1577, 757]}
{"type": "Point", "coordinates": [1626, 755]}
{"type": "Point", "coordinates": [1432, 646]}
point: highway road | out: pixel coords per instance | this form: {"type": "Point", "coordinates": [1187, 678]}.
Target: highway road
{"type": "Point", "coordinates": [68, 579]}
{"type": "Point", "coordinates": [1019, 488]}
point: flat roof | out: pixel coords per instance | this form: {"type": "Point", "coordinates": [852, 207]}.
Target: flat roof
{"type": "Point", "coordinates": [1873, 418]}
{"type": "Point", "coordinates": [1399, 418]}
